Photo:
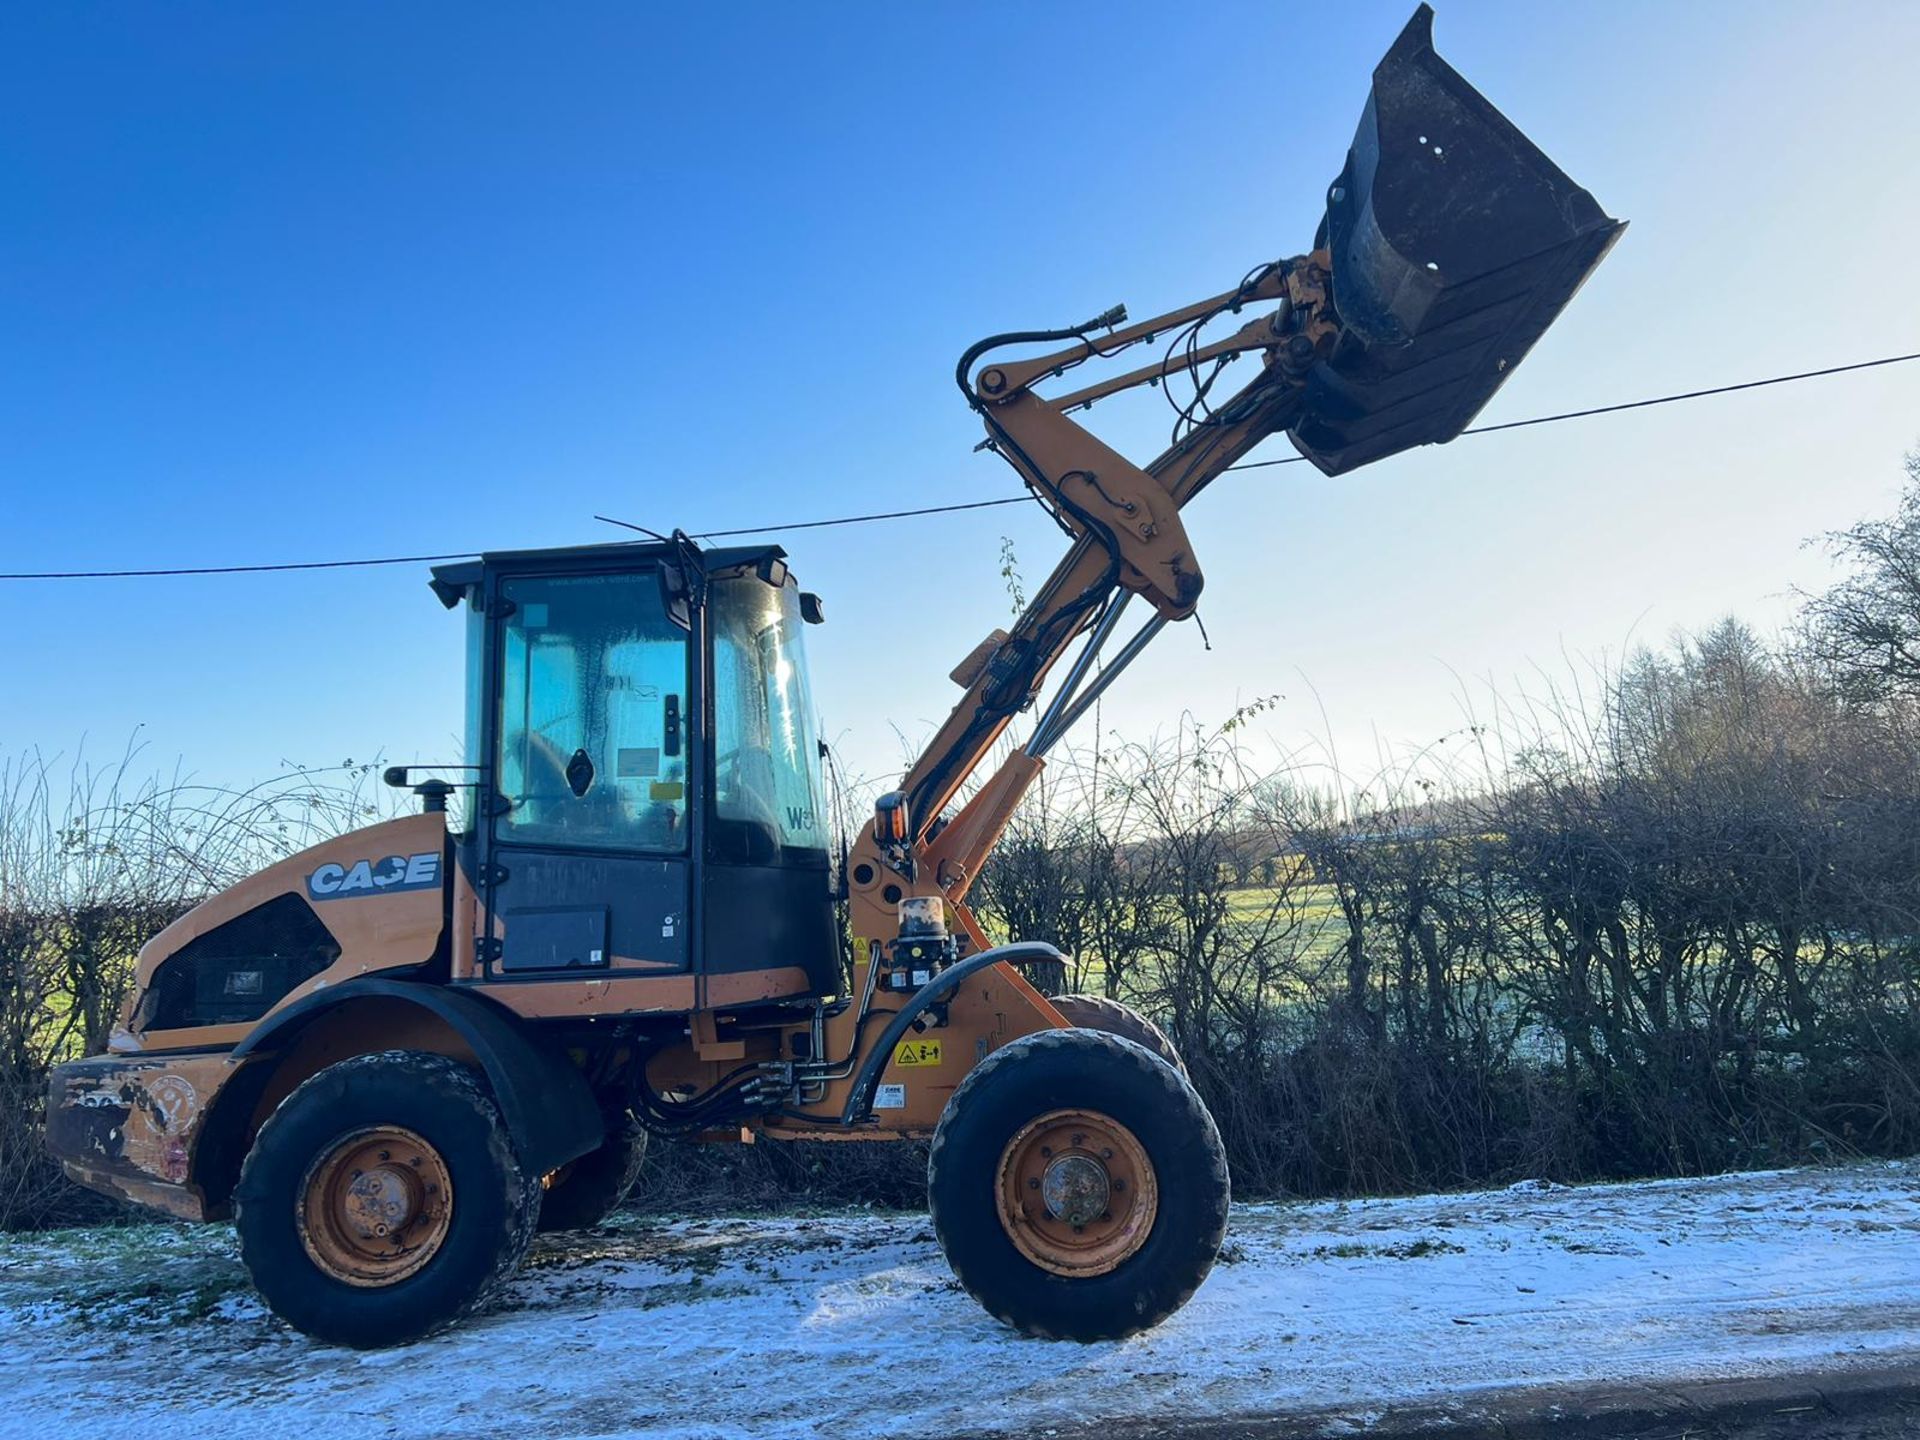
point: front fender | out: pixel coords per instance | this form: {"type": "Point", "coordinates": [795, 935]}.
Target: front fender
{"type": "Point", "coordinates": [1025, 952]}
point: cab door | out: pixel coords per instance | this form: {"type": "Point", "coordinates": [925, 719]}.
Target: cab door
{"type": "Point", "coordinates": [589, 841]}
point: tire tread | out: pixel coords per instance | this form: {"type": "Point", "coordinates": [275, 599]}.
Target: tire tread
{"type": "Point", "coordinates": [1097, 1012]}
{"type": "Point", "coordinates": [1005, 1065]}
{"type": "Point", "coordinates": [349, 1081]}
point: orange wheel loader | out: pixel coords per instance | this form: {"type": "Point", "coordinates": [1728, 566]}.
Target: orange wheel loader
{"type": "Point", "coordinates": [394, 1057]}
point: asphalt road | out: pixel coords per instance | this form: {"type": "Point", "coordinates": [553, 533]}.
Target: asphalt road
{"type": "Point", "coordinates": [1877, 1404]}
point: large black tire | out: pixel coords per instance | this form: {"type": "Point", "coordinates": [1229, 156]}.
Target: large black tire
{"type": "Point", "coordinates": [1096, 1012]}
{"type": "Point", "coordinates": [1046, 976]}
{"type": "Point", "coordinates": [1077, 1072]}
{"type": "Point", "coordinates": [583, 1192]}
{"type": "Point", "coordinates": [488, 1221]}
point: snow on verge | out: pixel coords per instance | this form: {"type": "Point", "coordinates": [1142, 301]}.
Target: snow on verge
{"type": "Point", "coordinates": [849, 1324]}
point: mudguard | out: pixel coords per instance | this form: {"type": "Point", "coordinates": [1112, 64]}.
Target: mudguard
{"type": "Point", "coordinates": [859, 1104]}
{"type": "Point", "coordinates": [549, 1108]}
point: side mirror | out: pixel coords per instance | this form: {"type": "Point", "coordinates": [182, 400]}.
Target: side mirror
{"type": "Point", "coordinates": [811, 610]}
{"type": "Point", "coordinates": [891, 825]}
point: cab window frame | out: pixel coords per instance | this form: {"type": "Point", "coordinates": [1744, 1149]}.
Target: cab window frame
{"type": "Point", "coordinates": [503, 607]}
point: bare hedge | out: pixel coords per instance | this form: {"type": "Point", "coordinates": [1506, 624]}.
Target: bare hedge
{"type": "Point", "coordinates": [1659, 922]}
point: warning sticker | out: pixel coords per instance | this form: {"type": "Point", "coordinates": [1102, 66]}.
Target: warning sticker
{"type": "Point", "coordinates": [917, 1052]}
{"type": "Point", "coordinates": [636, 762]}
{"type": "Point", "coordinates": [890, 1097]}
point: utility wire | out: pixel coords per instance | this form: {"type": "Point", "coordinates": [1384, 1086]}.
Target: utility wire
{"type": "Point", "coordinates": [848, 519]}
{"type": "Point", "coordinates": [233, 569]}
{"type": "Point", "coordinates": [1638, 404]}
{"type": "Point", "coordinates": [942, 509]}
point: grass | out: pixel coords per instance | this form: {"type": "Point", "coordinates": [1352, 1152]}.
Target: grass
{"type": "Point", "coordinates": [1412, 1250]}
{"type": "Point", "coordinates": [124, 1277]}
{"type": "Point", "coordinates": [1305, 919]}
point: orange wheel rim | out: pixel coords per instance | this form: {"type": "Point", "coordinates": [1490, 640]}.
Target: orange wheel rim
{"type": "Point", "coordinates": [375, 1206]}
{"type": "Point", "coordinates": [1076, 1192]}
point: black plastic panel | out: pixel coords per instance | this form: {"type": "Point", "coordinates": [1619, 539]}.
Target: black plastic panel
{"type": "Point", "coordinates": [555, 939]}
{"type": "Point", "coordinates": [574, 901]}
{"type": "Point", "coordinates": [761, 917]}
{"type": "Point", "coordinates": [238, 971]}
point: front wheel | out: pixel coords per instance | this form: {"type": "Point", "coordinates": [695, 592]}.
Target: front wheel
{"type": "Point", "coordinates": [1078, 1186]}
{"type": "Point", "coordinates": [383, 1200]}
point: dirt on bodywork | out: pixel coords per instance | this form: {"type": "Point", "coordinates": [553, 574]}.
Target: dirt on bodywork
{"type": "Point", "coordinates": [126, 1125]}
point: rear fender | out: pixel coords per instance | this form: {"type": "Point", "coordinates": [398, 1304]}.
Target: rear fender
{"type": "Point", "coordinates": [549, 1108]}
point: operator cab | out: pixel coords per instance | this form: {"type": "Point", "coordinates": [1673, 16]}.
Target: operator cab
{"type": "Point", "coordinates": [645, 772]}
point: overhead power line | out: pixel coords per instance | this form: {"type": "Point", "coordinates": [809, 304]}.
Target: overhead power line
{"type": "Point", "coordinates": [235, 569]}
{"type": "Point", "coordinates": [1672, 399]}
{"type": "Point", "coordinates": [1639, 404]}
{"type": "Point", "coordinates": [844, 519]}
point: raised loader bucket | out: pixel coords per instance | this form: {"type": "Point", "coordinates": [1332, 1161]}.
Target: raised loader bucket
{"type": "Point", "coordinates": [1455, 243]}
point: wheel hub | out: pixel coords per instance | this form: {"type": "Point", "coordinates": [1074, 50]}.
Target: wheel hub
{"type": "Point", "coordinates": [375, 1206]}
{"type": "Point", "coordinates": [1077, 1193]}
{"type": "Point", "coordinates": [380, 1201]}
{"type": "Point", "coordinates": [1075, 1188]}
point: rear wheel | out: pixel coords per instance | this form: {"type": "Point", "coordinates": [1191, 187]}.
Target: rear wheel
{"type": "Point", "coordinates": [1097, 1012]}
{"type": "Point", "coordinates": [583, 1192]}
{"type": "Point", "coordinates": [1078, 1186]}
{"type": "Point", "coordinates": [383, 1200]}
{"type": "Point", "coordinates": [1046, 976]}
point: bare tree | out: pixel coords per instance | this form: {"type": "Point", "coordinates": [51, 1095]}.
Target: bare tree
{"type": "Point", "coordinates": [1867, 625]}
{"type": "Point", "coordinates": [94, 860]}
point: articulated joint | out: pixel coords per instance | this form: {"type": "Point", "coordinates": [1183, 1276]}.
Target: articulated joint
{"type": "Point", "coordinates": [860, 1099]}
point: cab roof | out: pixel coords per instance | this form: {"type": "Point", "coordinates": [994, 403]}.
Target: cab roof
{"type": "Point", "coordinates": [451, 582]}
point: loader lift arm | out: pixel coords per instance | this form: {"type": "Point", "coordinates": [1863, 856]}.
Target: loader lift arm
{"type": "Point", "coordinates": [1127, 534]}
{"type": "Point", "coordinates": [1449, 244]}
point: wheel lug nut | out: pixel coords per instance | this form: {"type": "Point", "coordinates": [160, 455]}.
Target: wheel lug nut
{"type": "Point", "coordinates": [1079, 1140]}
{"type": "Point", "coordinates": [1119, 1184]}
{"type": "Point", "coordinates": [1106, 1154]}
{"type": "Point", "coordinates": [1046, 1152]}
{"type": "Point", "coordinates": [386, 1154]}
{"type": "Point", "coordinates": [1033, 1184]}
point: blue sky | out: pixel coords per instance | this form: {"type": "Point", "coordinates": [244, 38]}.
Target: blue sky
{"type": "Point", "coordinates": [290, 283]}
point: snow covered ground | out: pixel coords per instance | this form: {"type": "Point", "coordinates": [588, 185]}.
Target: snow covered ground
{"type": "Point", "coordinates": [848, 1323]}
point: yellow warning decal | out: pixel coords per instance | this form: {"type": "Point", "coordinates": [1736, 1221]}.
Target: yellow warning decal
{"type": "Point", "coordinates": [917, 1052]}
